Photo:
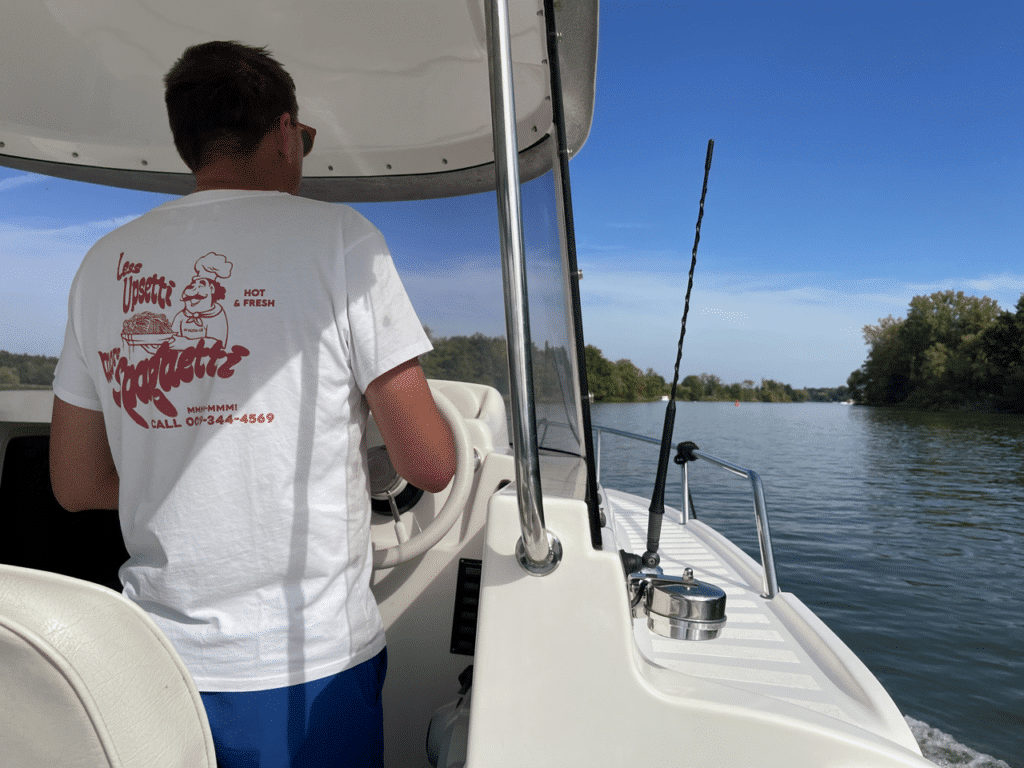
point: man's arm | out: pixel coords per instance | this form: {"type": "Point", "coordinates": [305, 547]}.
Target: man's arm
{"type": "Point", "coordinates": [417, 437]}
{"type": "Point", "coordinates": [82, 470]}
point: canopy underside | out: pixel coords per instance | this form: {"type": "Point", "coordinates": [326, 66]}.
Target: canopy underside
{"type": "Point", "coordinates": [398, 92]}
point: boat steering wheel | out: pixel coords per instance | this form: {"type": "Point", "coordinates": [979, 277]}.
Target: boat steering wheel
{"type": "Point", "coordinates": [453, 506]}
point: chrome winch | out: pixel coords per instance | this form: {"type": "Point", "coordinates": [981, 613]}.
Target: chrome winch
{"type": "Point", "coordinates": [679, 607]}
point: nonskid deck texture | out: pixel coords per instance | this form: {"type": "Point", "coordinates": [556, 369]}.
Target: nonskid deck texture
{"type": "Point", "coordinates": [756, 651]}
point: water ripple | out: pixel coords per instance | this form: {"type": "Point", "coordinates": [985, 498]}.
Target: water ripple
{"type": "Point", "coordinates": [903, 531]}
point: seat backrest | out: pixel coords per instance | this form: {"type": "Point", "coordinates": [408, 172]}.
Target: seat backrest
{"type": "Point", "coordinates": [480, 402]}
{"type": "Point", "coordinates": [87, 680]}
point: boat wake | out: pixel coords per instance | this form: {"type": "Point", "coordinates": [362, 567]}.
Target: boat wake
{"type": "Point", "coordinates": [943, 750]}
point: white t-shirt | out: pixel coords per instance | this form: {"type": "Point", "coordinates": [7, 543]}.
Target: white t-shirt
{"type": "Point", "coordinates": [228, 337]}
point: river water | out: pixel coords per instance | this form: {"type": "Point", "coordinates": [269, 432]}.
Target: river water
{"type": "Point", "coordinates": [903, 531]}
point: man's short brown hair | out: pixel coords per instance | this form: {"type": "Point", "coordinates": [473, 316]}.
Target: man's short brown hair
{"type": "Point", "coordinates": [222, 98]}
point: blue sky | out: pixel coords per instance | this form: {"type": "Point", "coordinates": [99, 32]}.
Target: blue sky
{"type": "Point", "coordinates": [865, 153]}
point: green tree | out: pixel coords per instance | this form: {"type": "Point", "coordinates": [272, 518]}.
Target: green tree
{"type": "Point", "coordinates": [856, 384]}
{"type": "Point", "coordinates": [934, 358]}
{"type": "Point", "coordinates": [771, 392]}
{"type": "Point", "coordinates": [827, 394]}
{"type": "Point", "coordinates": [9, 377]}
{"type": "Point", "coordinates": [748, 392]}
{"type": "Point", "coordinates": [1002, 351]}
{"type": "Point", "coordinates": [478, 359]}
{"type": "Point", "coordinates": [629, 384]}
{"type": "Point", "coordinates": [600, 373]}
{"type": "Point", "coordinates": [654, 385]}
{"type": "Point", "coordinates": [690, 388]}
{"type": "Point", "coordinates": [886, 372]}
{"type": "Point", "coordinates": [944, 333]}
{"type": "Point", "coordinates": [713, 388]}
{"type": "Point", "coordinates": [31, 370]}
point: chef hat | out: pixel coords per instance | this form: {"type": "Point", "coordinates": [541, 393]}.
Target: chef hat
{"type": "Point", "coordinates": [213, 266]}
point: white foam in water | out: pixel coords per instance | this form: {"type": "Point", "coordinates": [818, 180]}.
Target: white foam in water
{"type": "Point", "coordinates": [943, 750]}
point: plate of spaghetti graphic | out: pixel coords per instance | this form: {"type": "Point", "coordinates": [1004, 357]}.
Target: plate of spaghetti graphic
{"type": "Point", "coordinates": [147, 330]}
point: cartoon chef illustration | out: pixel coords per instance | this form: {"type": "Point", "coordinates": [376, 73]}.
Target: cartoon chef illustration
{"type": "Point", "coordinates": [203, 317]}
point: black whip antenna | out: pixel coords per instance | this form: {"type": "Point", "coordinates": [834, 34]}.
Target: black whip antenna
{"type": "Point", "coordinates": [651, 558]}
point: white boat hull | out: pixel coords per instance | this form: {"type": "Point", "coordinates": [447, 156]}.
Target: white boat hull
{"type": "Point", "coordinates": [565, 676]}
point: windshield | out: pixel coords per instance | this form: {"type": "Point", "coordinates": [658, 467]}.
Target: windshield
{"type": "Point", "coordinates": [448, 254]}
{"type": "Point", "coordinates": [446, 250]}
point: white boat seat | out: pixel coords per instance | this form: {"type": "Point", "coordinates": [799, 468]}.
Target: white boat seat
{"type": "Point", "coordinates": [478, 402]}
{"type": "Point", "coordinates": [87, 680]}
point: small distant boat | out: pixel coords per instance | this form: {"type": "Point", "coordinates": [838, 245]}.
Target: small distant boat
{"type": "Point", "coordinates": [664, 398]}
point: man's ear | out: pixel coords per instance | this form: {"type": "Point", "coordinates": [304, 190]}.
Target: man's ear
{"type": "Point", "coordinates": [283, 135]}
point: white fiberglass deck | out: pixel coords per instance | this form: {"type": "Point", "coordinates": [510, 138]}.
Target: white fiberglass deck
{"type": "Point", "coordinates": [775, 648]}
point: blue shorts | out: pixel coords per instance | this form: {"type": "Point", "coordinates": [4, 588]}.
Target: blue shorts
{"type": "Point", "coordinates": [335, 721]}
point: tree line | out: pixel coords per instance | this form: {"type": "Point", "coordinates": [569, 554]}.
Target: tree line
{"type": "Point", "coordinates": [951, 351]}
{"type": "Point", "coordinates": [26, 371]}
{"type": "Point", "coordinates": [708, 387]}
{"type": "Point", "coordinates": [622, 381]}
{"type": "Point", "coordinates": [482, 359]}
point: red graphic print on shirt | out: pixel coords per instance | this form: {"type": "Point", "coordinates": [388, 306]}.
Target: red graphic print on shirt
{"type": "Point", "coordinates": [193, 345]}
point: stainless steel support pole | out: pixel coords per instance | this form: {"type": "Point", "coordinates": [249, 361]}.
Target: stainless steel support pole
{"type": "Point", "coordinates": [684, 502]}
{"type": "Point", "coordinates": [764, 538]}
{"type": "Point", "coordinates": [536, 553]}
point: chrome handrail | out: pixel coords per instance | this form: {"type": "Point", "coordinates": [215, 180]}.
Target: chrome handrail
{"type": "Point", "coordinates": [770, 582]}
{"type": "Point", "coordinates": [538, 553]}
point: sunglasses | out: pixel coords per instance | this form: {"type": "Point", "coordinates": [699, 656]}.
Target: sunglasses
{"type": "Point", "coordinates": [308, 135]}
